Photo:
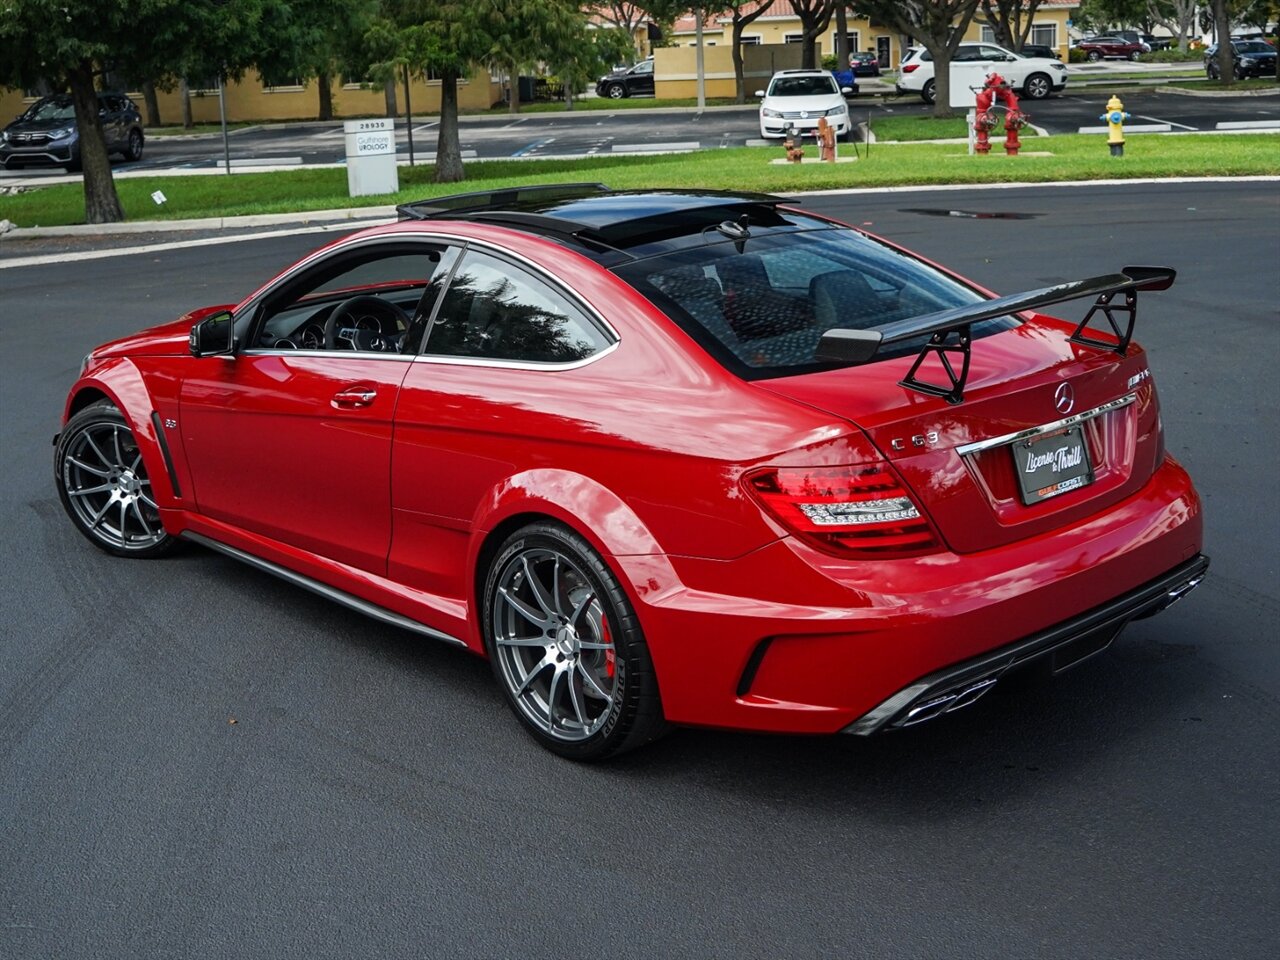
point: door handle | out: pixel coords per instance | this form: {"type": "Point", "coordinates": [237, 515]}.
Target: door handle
{"type": "Point", "coordinates": [354, 397]}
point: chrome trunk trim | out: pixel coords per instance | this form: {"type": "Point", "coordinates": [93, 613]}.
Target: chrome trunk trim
{"type": "Point", "coordinates": [979, 445]}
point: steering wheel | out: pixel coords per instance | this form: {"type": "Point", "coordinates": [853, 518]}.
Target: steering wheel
{"type": "Point", "coordinates": [343, 328]}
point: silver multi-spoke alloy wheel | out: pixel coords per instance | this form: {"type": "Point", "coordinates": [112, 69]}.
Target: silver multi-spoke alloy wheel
{"type": "Point", "coordinates": [104, 484]}
{"type": "Point", "coordinates": [553, 644]}
{"type": "Point", "coordinates": [567, 647]}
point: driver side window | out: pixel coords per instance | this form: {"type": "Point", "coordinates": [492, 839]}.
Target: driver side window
{"type": "Point", "coordinates": [366, 300]}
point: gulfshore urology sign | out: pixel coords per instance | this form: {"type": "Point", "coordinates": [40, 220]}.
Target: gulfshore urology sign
{"type": "Point", "coordinates": [371, 157]}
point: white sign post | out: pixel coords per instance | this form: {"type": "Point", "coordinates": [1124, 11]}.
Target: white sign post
{"type": "Point", "coordinates": [371, 157]}
{"type": "Point", "coordinates": [967, 78]}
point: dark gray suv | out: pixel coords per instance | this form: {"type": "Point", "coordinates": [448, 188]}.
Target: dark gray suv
{"type": "Point", "coordinates": [46, 134]}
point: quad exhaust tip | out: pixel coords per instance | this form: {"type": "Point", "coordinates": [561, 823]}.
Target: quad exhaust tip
{"type": "Point", "coordinates": [953, 699]}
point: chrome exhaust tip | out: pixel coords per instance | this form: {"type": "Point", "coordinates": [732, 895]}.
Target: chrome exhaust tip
{"type": "Point", "coordinates": [954, 699]}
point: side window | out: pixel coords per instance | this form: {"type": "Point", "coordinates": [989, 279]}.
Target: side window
{"type": "Point", "coordinates": [644, 67]}
{"type": "Point", "coordinates": [363, 300]}
{"type": "Point", "coordinates": [498, 311]}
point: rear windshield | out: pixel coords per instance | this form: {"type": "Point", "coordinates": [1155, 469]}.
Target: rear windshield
{"type": "Point", "coordinates": [761, 305]}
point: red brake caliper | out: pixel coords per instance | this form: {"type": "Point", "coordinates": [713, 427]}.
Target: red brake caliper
{"type": "Point", "coordinates": [610, 658]}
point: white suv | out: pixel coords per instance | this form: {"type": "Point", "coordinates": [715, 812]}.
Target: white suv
{"type": "Point", "coordinates": [1035, 77]}
{"type": "Point", "coordinates": [797, 98]}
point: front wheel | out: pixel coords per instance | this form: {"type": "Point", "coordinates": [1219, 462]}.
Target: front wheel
{"type": "Point", "coordinates": [1211, 72]}
{"type": "Point", "coordinates": [1135, 55]}
{"type": "Point", "coordinates": [1037, 86]}
{"type": "Point", "coordinates": [566, 646]}
{"type": "Point", "coordinates": [929, 92]}
{"type": "Point", "coordinates": [616, 91]}
{"type": "Point", "coordinates": [104, 487]}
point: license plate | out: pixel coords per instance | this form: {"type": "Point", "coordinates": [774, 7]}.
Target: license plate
{"type": "Point", "coordinates": [1053, 464]}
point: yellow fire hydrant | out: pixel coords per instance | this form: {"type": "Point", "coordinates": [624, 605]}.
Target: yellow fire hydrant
{"type": "Point", "coordinates": [1115, 117]}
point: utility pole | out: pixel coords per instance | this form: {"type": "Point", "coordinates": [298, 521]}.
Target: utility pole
{"type": "Point", "coordinates": [702, 75]}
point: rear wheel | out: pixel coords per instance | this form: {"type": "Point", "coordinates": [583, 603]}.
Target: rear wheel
{"type": "Point", "coordinates": [929, 92]}
{"type": "Point", "coordinates": [566, 646]}
{"type": "Point", "coordinates": [134, 149]}
{"type": "Point", "coordinates": [1093, 56]}
{"type": "Point", "coordinates": [1037, 86]}
{"type": "Point", "coordinates": [104, 487]}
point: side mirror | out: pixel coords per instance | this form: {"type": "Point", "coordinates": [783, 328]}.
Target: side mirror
{"type": "Point", "coordinates": [847, 91]}
{"type": "Point", "coordinates": [759, 93]}
{"type": "Point", "coordinates": [214, 336]}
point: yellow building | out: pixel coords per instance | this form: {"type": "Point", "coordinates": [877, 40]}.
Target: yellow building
{"type": "Point", "coordinates": [779, 31]}
{"type": "Point", "coordinates": [252, 99]}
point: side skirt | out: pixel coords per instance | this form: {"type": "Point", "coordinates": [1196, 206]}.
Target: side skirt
{"type": "Point", "coordinates": [323, 589]}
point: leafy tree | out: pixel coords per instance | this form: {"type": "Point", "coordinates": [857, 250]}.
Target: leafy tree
{"type": "Point", "coordinates": [1176, 16]}
{"type": "Point", "coordinates": [815, 17]}
{"type": "Point", "coordinates": [71, 42]}
{"type": "Point", "coordinates": [938, 25]}
{"type": "Point", "coordinates": [523, 32]}
{"type": "Point", "coordinates": [1010, 20]}
{"type": "Point", "coordinates": [581, 56]}
{"type": "Point", "coordinates": [1100, 15]}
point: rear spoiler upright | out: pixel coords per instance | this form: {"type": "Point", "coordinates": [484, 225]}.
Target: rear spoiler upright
{"type": "Point", "coordinates": [860, 346]}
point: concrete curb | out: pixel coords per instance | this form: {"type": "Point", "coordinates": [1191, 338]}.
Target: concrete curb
{"type": "Point", "coordinates": [206, 223]}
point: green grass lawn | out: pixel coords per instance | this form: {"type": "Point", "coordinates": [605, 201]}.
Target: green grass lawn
{"type": "Point", "coordinates": [1074, 157]}
{"type": "Point", "coordinates": [1253, 83]}
{"type": "Point", "coordinates": [905, 129]}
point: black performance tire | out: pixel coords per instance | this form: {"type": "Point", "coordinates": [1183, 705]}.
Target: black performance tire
{"type": "Point", "coordinates": [554, 610]}
{"type": "Point", "coordinates": [104, 486]}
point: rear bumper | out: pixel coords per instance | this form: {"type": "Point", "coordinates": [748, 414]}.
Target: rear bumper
{"type": "Point", "coordinates": [789, 640]}
{"type": "Point", "coordinates": [1061, 647]}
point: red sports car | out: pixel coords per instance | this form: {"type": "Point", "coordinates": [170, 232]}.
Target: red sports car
{"type": "Point", "coordinates": [663, 457]}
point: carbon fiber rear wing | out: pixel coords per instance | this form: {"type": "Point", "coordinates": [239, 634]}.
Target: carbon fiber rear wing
{"type": "Point", "coordinates": [861, 346]}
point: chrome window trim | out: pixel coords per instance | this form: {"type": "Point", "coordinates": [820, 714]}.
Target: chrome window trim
{"type": "Point", "coordinates": [548, 366]}
{"type": "Point", "coordinates": [339, 354]}
{"type": "Point", "coordinates": [978, 446]}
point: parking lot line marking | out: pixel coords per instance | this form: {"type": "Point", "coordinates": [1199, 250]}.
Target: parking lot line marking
{"type": "Point", "coordinates": [531, 147]}
{"type": "Point", "coordinates": [1171, 123]}
{"type": "Point", "coordinates": [514, 123]}
{"type": "Point", "coordinates": [1133, 128]}
{"type": "Point", "coordinates": [1248, 125]}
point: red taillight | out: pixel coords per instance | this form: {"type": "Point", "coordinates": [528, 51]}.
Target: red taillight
{"type": "Point", "coordinates": [860, 510]}
{"type": "Point", "coordinates": [909, 67]}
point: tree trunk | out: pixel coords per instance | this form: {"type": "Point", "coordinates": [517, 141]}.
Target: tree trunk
{"type": "Point", "coordinates": [184, 95]}
{"type": "Point", "coordinates": [1222, 26]}
{"type": "Point", "coordinates": [842, 37]}
{"type": "Point", "coordinates": [101, 203]}
{"type": "Point", "coordinates": [389, 91]}
{"type": "Point", "coordinates": [941, 81]}
{"type": "Point", "coordinates": [739, 70]}
{"type": "Point", "coordinates": [324, 84]}
{"type": "Point", "coordinates": [152, 102]}
{"type": "Point", "coordinates": [448, 150]}
{"type": "Point", "coordinates": [513, 98]}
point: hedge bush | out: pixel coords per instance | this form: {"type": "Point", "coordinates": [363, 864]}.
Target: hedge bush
{"type": "Point", "coordinates": [1173, 55]}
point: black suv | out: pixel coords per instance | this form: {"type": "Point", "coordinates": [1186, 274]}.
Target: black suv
{"type": "Point", "coordinates": [629, 82]}
{"type": "Point", "coordinates": [1252, 58]}
{"type": "Point", "coordinates": [46, 134]}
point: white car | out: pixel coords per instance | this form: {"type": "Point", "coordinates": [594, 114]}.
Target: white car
{"type": "Point", "coordinates": [1034, 77]}
{"type": "Point", "coordinates": [798, 98]}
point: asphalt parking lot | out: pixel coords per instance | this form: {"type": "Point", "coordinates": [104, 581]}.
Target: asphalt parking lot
{"type": "Point", "coordinates": [199, 760]}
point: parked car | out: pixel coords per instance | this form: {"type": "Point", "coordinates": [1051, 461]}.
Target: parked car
{"type": "Point", "coordinates": [1110, 48]}
{"type": "Point", "coordinates": [46, 134]}
{"type": "Point", "coordinates": [1040, 51]}
{"type": "Point", "coordinates": [1251, 58]}
{"type": "Point", "coordinates": [865, 64]}
{"type": "Point", "coordinates": [1155, 43]}
{"type": "Point", "coordinates": [628, 82]}
{"type": "Point", "coordinates": [799, 98]}
{"type": "Point", "coordinates": [1035, 77]}
{"type": "Point", "coordinates": [673, 457]}
{"type": "Point", "coordinates": [1132, 36]}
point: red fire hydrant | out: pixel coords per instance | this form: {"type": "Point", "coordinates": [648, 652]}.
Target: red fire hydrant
{"type": "Point", "coordinates": [986, 119]}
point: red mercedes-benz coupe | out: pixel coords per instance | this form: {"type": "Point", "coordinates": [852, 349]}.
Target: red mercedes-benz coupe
{"type": "Point", "coordinates": [680, 457]}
